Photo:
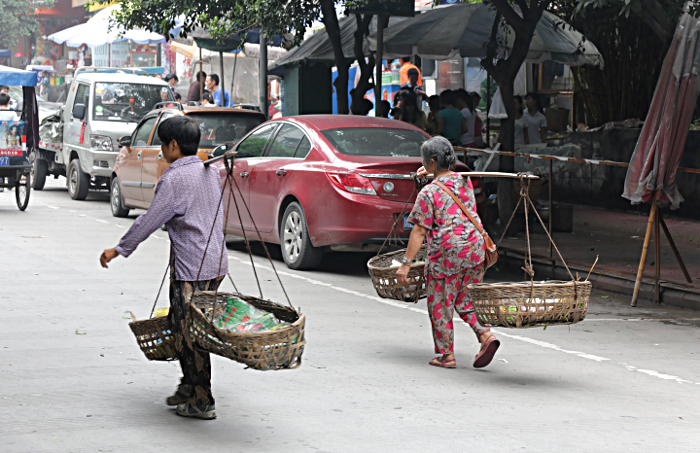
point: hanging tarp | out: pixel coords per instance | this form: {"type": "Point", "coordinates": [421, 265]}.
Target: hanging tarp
{"type": "Point", "coordinates": [656, 158]}
{"type": "Point", "coordinates": [17, 77]}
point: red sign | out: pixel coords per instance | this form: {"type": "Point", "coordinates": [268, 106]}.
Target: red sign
{"type": "Point", "coordinates": [12, 152]}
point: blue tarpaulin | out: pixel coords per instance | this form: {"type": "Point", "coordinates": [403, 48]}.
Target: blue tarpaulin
{"type": "Point", "coordinates": [5, 53]}
{"type": "Point", "coordinates": [17, 77]}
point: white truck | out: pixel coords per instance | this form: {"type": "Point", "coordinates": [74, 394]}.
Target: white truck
{"type": "Point", "coordinates": [81, 140]}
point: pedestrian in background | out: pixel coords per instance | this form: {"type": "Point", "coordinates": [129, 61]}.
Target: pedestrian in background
{"type": "Point", "coordinates": [455, 254]}
{"type": "Point", "coordinates": [413, 85]}
{"type": "Point", "coordinates": [384, 109]}
{"type": "Point", "coordinates": [451, 122]}
{"type": "Point", "coordinates": [172, 81]}
{"type": "Point", "coordinates": [465, 104]}
{"type": "Point", "coordinates": [219, 96]}
{"type": "Point", "coordinates": [536, 121]}
{"type": "Point", "coordinates": [406, 65]}
{"type": "Point", "coordinates": [187, 203]}
{"type": "Point", "coordinates": [409, 109]}
{"type": "Point", "coordinates": [195, 87]}
{"type": "Point", "coordinates": [432, 124]}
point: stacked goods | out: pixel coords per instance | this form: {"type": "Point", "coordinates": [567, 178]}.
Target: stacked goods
{"type": "Point", "coordinates": [239, 316]}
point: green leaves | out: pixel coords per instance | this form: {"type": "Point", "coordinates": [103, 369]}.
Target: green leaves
{"type": "Point", "coordinates": [18, 20]}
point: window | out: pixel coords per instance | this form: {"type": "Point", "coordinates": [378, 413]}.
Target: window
{"type": "Point", "coordinates": [143, 133]}
{"type": "Point", "coordinates": [303, 148]}
{"type": "Point", "coordinates": [82, 95]}
{"type": "Point", "coordinates": [286, 141]}
{"type": "Point", "coordinates": [219, 128]}
{"type": "Point", "coordinates": [156, 139]}
{"type": "Point", "coordinates": [254, 145]}
{"type": "Point", "coordinates": [127, 102]}
{"type": "Point", "coordinates": [376, 141]}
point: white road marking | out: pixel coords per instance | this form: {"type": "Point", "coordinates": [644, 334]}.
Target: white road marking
{"type": "Point", "coordinates": [52, 207]}
{"type": "Point", "coordinates": [102, 221]}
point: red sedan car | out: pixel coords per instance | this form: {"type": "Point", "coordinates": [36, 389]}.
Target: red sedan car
{"type": "Point", "coordinates": [321, 182]}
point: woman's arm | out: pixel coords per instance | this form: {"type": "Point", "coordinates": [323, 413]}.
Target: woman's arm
{"type": "Point", "coordinates": [414, 244]}
{"type": "Point", "coordinates": [465, 126]}
{"type": "Point", "coordinates": [543, 134]}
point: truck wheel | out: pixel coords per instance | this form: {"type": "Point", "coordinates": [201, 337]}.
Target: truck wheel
{"type": "Point", "coordinates": [115, 199]}
{"type": "Point", "coordinates": [38, 172]}
{"type": "Point", "coordinates": [297, 251]}
{"type": "Point", "coordinates": [78, 181]}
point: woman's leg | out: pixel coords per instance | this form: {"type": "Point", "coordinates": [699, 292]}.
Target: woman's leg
{"type": "Point", "coordinates": [441, 295]}
{"type": "Point", "coordinates": [464, 306]}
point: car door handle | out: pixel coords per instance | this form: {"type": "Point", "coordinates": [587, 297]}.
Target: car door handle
{"type": "Point", "coordinates": [281, 173]}
{"type": "Point", "coordinates": [138, 156]}
{"type": "Point", "coordinates": [160, 155]}
{"type": "Point", "coordinates": [244, 175]}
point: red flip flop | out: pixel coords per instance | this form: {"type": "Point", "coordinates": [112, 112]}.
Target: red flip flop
{"type": "Point", "coordinates": [441, 362]}
{"type": "Point", "coordinates": [487, 351]}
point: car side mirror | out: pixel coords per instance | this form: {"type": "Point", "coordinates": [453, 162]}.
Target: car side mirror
{"type": "Point", "coordinates": [125, 141]}
{"type": "Point", "coordinates": [219, 151]}
{"type": "Point", "coordinates": [79, 111]}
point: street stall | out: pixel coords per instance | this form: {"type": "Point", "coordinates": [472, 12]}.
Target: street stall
{"type": "Point", "coordinates": [18, 135]}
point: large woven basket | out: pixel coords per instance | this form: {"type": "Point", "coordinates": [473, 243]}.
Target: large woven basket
{"type": "Point", "coordinates": [155, 338]}
{"type": "Point", "coordinates": [384, 276]}
{"type": "Point", "coordinates": [271, 350]}
{"type": "Point", "coordinates": [527, 304]}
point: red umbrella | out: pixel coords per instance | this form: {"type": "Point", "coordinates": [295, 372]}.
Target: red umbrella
{"type": "Point", "coordinates": [656, 158]}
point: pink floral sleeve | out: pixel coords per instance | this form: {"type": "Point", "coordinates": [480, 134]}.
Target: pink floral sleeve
{"type": "Point", "coordinates": [423, 213]}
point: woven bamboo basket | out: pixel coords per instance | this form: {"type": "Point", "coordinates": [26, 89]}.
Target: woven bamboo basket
{"type": "Point", "coordinates": [384, 276]}
{"type": "Point", "coordinates": [528, 304]}
{"type": "Point", "coordinates": [271, 350]}
{"type": "Point", "coordinates": [155, 338]}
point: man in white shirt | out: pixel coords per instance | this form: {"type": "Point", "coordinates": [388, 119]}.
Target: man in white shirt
{"type": "Point", "coordinates": [537, 123]}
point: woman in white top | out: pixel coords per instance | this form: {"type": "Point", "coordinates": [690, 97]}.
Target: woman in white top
{"type": "Point", "coordinates": [521, 125]}
{"type": "Point", "coordinates": [537, 123]}
{"type": "Point", "coordinates": [466, 105]}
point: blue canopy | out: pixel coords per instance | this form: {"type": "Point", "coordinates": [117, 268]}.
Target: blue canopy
{"type": "Point", "coordinates": [17, 77]}
{"type": "Point", "coordinates": [5, 53]}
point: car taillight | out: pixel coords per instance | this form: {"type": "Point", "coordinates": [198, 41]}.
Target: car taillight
{"type": "Point", "coordinates": [352, 182]}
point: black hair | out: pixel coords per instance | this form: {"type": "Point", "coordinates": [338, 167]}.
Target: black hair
{"type": "Point", "coordinates": [5, 98]}
{"type": "Point", "coordinates": [384, 109]}
{"type": "Point", "coordinates": [201, 79]}
{"type": "Point", "coordinates": [4, 87]}
{"type": "Point", "coordinates": [184, 131]}
{"type": "Point", "coordinates": [214, 78]}
{"type": "Point", "coordinates": [519, 98]}
{"type": "Point", "coordinates": [409, 98]}
{"type": "Point", "coordinates": [206, 96]}
{"type": "Point", "coordinates": [170, 77]}
{"type": "Point", "coordinates": [440, 149]}
{"type": "Point", "coordinates": [434, 102]}
{"type": "Point", "coordinates": [178, 96]}
{"type": "Point", "coordinates": [466, 98]}
{"type": "Point", "coordinates": [538, 101]}
{"type": "Point", "coordinates": [447, 97]}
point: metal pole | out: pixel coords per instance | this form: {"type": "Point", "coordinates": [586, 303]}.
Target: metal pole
{"type": "Point", "coordinates": [263, 74]}
{"type": "Point", "coordinates": [643, 259]}
{"type": "Point", "coordinates": [551, 212]}
{"type": "Point", "coordinates": [233, 76]}
{"type": "Point", "coordinates": [657, 258]}
{"type": "Point", "coordinates": [488, 110]}
{"type": "Point", "coordinates": [221, 82]}
{"type": "Point", "coordinates": [379, 64]}
{"type": "Point", "coordinates": [201, 82]}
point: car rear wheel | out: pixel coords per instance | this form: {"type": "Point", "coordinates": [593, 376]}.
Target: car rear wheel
{"type": "Point", "coordinates": [297, 251]}
{"type": "Point", "coordinates": [39, 170]}
{"type": "Point", "coordinates": [78, 181]}
{"type": "Point", "coordinates": [115, 199]}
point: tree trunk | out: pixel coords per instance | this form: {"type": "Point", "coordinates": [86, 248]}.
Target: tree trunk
{"type": "Point", "coordinates": [330, 20]}
{"type": "Point", "coordinates": [363, 84]}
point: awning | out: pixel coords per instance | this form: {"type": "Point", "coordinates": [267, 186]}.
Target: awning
{"type": "Point", "coordinates": [5, 53]}
{"type": "Point", "coordinates": [17, 77]}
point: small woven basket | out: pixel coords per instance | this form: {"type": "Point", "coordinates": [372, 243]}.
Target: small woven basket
{"type": "Point", "coordinates": [527, 304]}
{"type": "Point", "coordinates": [384, 276]}
{"type": "Point", "coordinates": [155, 338]}
{"type": "Point", "coordinates": [271, 350]}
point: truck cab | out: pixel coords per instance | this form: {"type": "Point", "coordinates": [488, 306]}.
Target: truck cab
{"type": "Point", "coordinates": [100, 108]}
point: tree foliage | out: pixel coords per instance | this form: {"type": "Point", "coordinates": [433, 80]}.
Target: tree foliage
{"type": "Point", "coordinates": [18, 20]}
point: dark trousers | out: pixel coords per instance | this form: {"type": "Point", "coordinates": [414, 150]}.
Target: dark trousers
{"type": "Point", "coordinates": [195, 363]}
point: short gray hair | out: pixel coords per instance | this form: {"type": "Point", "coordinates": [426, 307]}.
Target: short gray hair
{"type": "Point", "coordinates": [440, 149]}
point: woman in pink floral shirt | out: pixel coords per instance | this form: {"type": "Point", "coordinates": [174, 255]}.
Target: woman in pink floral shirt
{"type": "Point", "coordinates": [455, 253]}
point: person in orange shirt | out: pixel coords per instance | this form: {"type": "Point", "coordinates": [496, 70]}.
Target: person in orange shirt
{"type": "Point", "coordinates": [403, 72]}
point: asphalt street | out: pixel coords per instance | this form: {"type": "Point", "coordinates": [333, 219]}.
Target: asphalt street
{"type": "Point", "coordinates": [73, 379]}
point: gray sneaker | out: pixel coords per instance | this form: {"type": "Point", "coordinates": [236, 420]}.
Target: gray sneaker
{"type": "Point", "coordinates": [205, 413]}
{"type": "Point", "coordinates": [184, 392]}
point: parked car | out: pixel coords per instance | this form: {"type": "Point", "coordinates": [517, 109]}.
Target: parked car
{"type": "Point", "coordinates": [325, 182]}
{"type": "Point", "coordinates": [140, 163]}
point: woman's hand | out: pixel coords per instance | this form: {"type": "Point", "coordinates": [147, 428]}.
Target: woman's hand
{"type": "Point", "coordinates": [422, 172]}
{"type": "Point", "coordinates": [107, 256]}
{"type": "Point", "coordinates": [402, 273]}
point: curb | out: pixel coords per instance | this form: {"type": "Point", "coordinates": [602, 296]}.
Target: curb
{"type": "Point", "coordinates": [670, 294]}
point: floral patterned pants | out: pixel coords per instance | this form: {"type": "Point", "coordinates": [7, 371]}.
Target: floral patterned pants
{"type": "Point", "coordinates": [445, 295]}
{"type": "Point", "coordinates": [195, 363]}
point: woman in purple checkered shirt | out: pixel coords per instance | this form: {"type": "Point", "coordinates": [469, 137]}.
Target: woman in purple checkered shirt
{"type": "Point", "coordinates": [187, 203]}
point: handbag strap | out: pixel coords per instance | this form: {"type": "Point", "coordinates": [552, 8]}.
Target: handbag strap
{"type": "Point", "coordinates": [460, 204]}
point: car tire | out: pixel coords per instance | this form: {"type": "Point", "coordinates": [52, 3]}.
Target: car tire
{"type": "Point", "coordinates": [116, 202]}
{"type": "Point", "coordinates": [297, 250]}
{"type": "Point", "coordinates": [39, 170]}
{"type": "Point", "coordinates": [78, 181]}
